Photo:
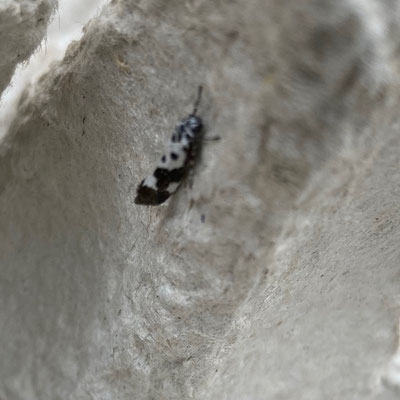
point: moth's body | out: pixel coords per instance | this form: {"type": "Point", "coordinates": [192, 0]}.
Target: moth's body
{"type": "Point", "coordinates": [180, 156]}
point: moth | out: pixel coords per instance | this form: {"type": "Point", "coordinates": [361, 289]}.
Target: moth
{"type": "Point", "coordinates": [181, 154]}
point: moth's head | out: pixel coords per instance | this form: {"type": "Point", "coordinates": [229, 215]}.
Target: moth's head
{"type": "Point", "coordinates": [193, 123]}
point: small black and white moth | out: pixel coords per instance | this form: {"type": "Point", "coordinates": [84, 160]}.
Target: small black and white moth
{"type": "Point", "coordinates": [180, 156]}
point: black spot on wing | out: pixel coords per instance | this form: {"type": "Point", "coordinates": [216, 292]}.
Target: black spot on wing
{"type": "Point", "coordinates": [177, 174]}
{"type": "Point", "coordinates": [163, 158]}
{"type": "Point", "coordinates": [149, 197]}
{"type": "Point", "coordinates": [174, 156]}
{"type": "Point", "coordinates": [165, 177]}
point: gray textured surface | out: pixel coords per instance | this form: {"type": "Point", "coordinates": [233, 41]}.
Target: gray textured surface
{"type": "Point", "coordinates": [290, 287]}
{"type": "Point", "coordinates": [23, 26]}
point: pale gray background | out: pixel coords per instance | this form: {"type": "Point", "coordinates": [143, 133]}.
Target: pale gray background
{"type": "Point", "coordinates": [290, 287]}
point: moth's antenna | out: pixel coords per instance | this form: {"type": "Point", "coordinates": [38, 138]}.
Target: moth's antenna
{"type": "Point", "coordinates": [196, 104]}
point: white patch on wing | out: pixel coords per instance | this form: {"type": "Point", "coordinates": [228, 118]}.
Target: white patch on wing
{"type": "Point", "coordinates": [172, 187]}
{"type": "Point", "coordinates": [151, 182]}
{"type": "Point", "coordinates": [178, 149]}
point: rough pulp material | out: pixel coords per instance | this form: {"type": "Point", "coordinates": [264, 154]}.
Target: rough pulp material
{"type": "Point", "coordinates": [23, 26]}
{"type": "Point", "coordinates": [274, 274]}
